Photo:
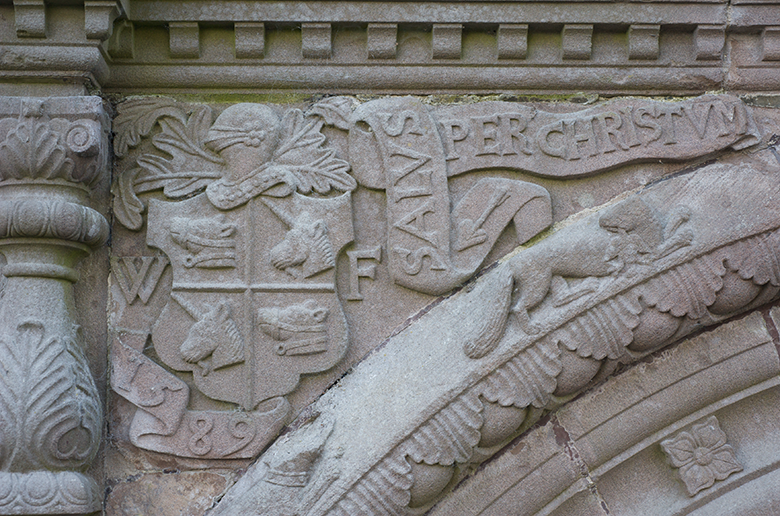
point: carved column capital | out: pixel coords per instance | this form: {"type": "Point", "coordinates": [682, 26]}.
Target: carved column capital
{"type": "Point", "coordinates": [52, 153]}
{"type": "Point", "coordinates": [53, 140]}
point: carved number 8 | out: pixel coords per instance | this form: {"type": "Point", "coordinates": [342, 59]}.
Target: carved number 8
{"type": "Point", "coordinates": [201, 426]}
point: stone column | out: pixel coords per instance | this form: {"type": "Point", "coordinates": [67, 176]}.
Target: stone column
{"type": "Point", "coordinates": [52, 152]}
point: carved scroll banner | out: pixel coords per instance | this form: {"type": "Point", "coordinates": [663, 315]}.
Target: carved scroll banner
{"type": "Point", "coordinates": [425, 252]}
{"type": "Point", "coordinates": [434, 247]}
{"type": "Point", "coordinates": [618, 132]}
{"type": "Point", "coordinates": [162, 422]}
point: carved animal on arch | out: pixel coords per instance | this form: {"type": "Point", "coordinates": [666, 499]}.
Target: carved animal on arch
{"type": "Point", "coordinates": [528, 382]}
{"type": "Point", "coordinates": [662, 270]}
{"type": "Point", "coordinates": [628, 232]}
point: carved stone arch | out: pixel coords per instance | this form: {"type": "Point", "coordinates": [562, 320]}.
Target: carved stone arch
{"type": "Point", "coordinates": [485, 365]}
{"type": "Point", "coordinates": [614, 450]}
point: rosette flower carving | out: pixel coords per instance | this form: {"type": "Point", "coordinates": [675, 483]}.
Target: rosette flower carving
{"type": "Point", "coordinates": [701, 455]}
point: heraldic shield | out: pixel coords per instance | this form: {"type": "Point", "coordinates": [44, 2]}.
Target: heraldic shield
{"type": "Point", "coordinates": [253, 304]}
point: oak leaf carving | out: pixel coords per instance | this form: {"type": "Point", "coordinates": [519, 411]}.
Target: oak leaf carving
{"type": "Point", "coordinates": [183, 165]}
{"type": "Point", "coordinates": [136, 117]}
{"type": "Point", "coordinates": [128, 208]}
{"type": "Point", "coordinates": [190, 167]}
{"type": "Point", "coordinates": [315, 167]}
{"type": "Point", "coordinates": [335, 111]}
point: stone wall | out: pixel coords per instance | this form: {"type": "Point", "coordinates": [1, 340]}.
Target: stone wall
{"type": "Point", "coordinates": [360, 258]}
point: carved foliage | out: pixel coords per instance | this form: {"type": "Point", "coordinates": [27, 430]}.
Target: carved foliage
{"type": "Point", "coordinates": [49, 404]}
{"type": "Point", "coordinates": [316, 167]}
{"type": "Point", "coordinates": [695, 285]}
{"type": "Point", "coordinates": [604, 330]}
{"type": "Point", "coordinates": [384, 490]}
{"type": "Point", "coordinates": [65, 493]}
{"type": "Point", "coordinates": [754, 259]}
{"type": "Point", "coordinates": [450, 436]}
{"type": "Point", "coordinates": [34, 151]}
{"type": "Point", "coordinates": [137, 117]}
{"type": "Point", "coordinates": [194, 142]}
{"type": "Point", "coordinates": [38, 147]}
{"type": "Point", "coordinates": [527, 379]}
{"type": "Point", "coordinates": [335, 111]}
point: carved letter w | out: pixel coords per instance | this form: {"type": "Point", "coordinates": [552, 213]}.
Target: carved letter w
{"type": "Point", "coordinates": [138, 281]}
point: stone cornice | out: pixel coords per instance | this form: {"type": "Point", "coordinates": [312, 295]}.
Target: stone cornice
{"type": "Point", "coordinates": [472, 12]}
{"type": "Point", "coordinates": [485, 47]}
{"type": "Point", "coordinates": [682, 47]}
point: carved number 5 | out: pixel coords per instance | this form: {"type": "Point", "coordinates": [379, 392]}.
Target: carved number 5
{"type": "Point", "coordinates": [200, 427]}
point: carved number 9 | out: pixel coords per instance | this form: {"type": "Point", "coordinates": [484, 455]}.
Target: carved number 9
{"type": "Point", "coordinates": [242, 428]}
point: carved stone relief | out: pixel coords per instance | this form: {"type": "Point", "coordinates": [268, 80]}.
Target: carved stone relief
{"type": "Point", "coordinates": [602, 452]}
{"type": "Point", "coordinates": [253, 304]}
{"type": "Point", "coordinates": [52, 153]}
{"type": "Point", "coordinates": [316, 302]}
{"type": "Point", "coordinates": [257, 239]}
{"type": "Point", "coordinates": [416, 159]}
{"type": "Point", "coordinates": [607, 289]}
{"type": "Point", "coordinates": [701, 456]}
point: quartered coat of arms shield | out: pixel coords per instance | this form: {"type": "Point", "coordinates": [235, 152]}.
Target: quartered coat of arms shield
{"type": "Point", "coordinates": [246, 329]}
{"type": "Point", "coordinates": [253, 304]}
